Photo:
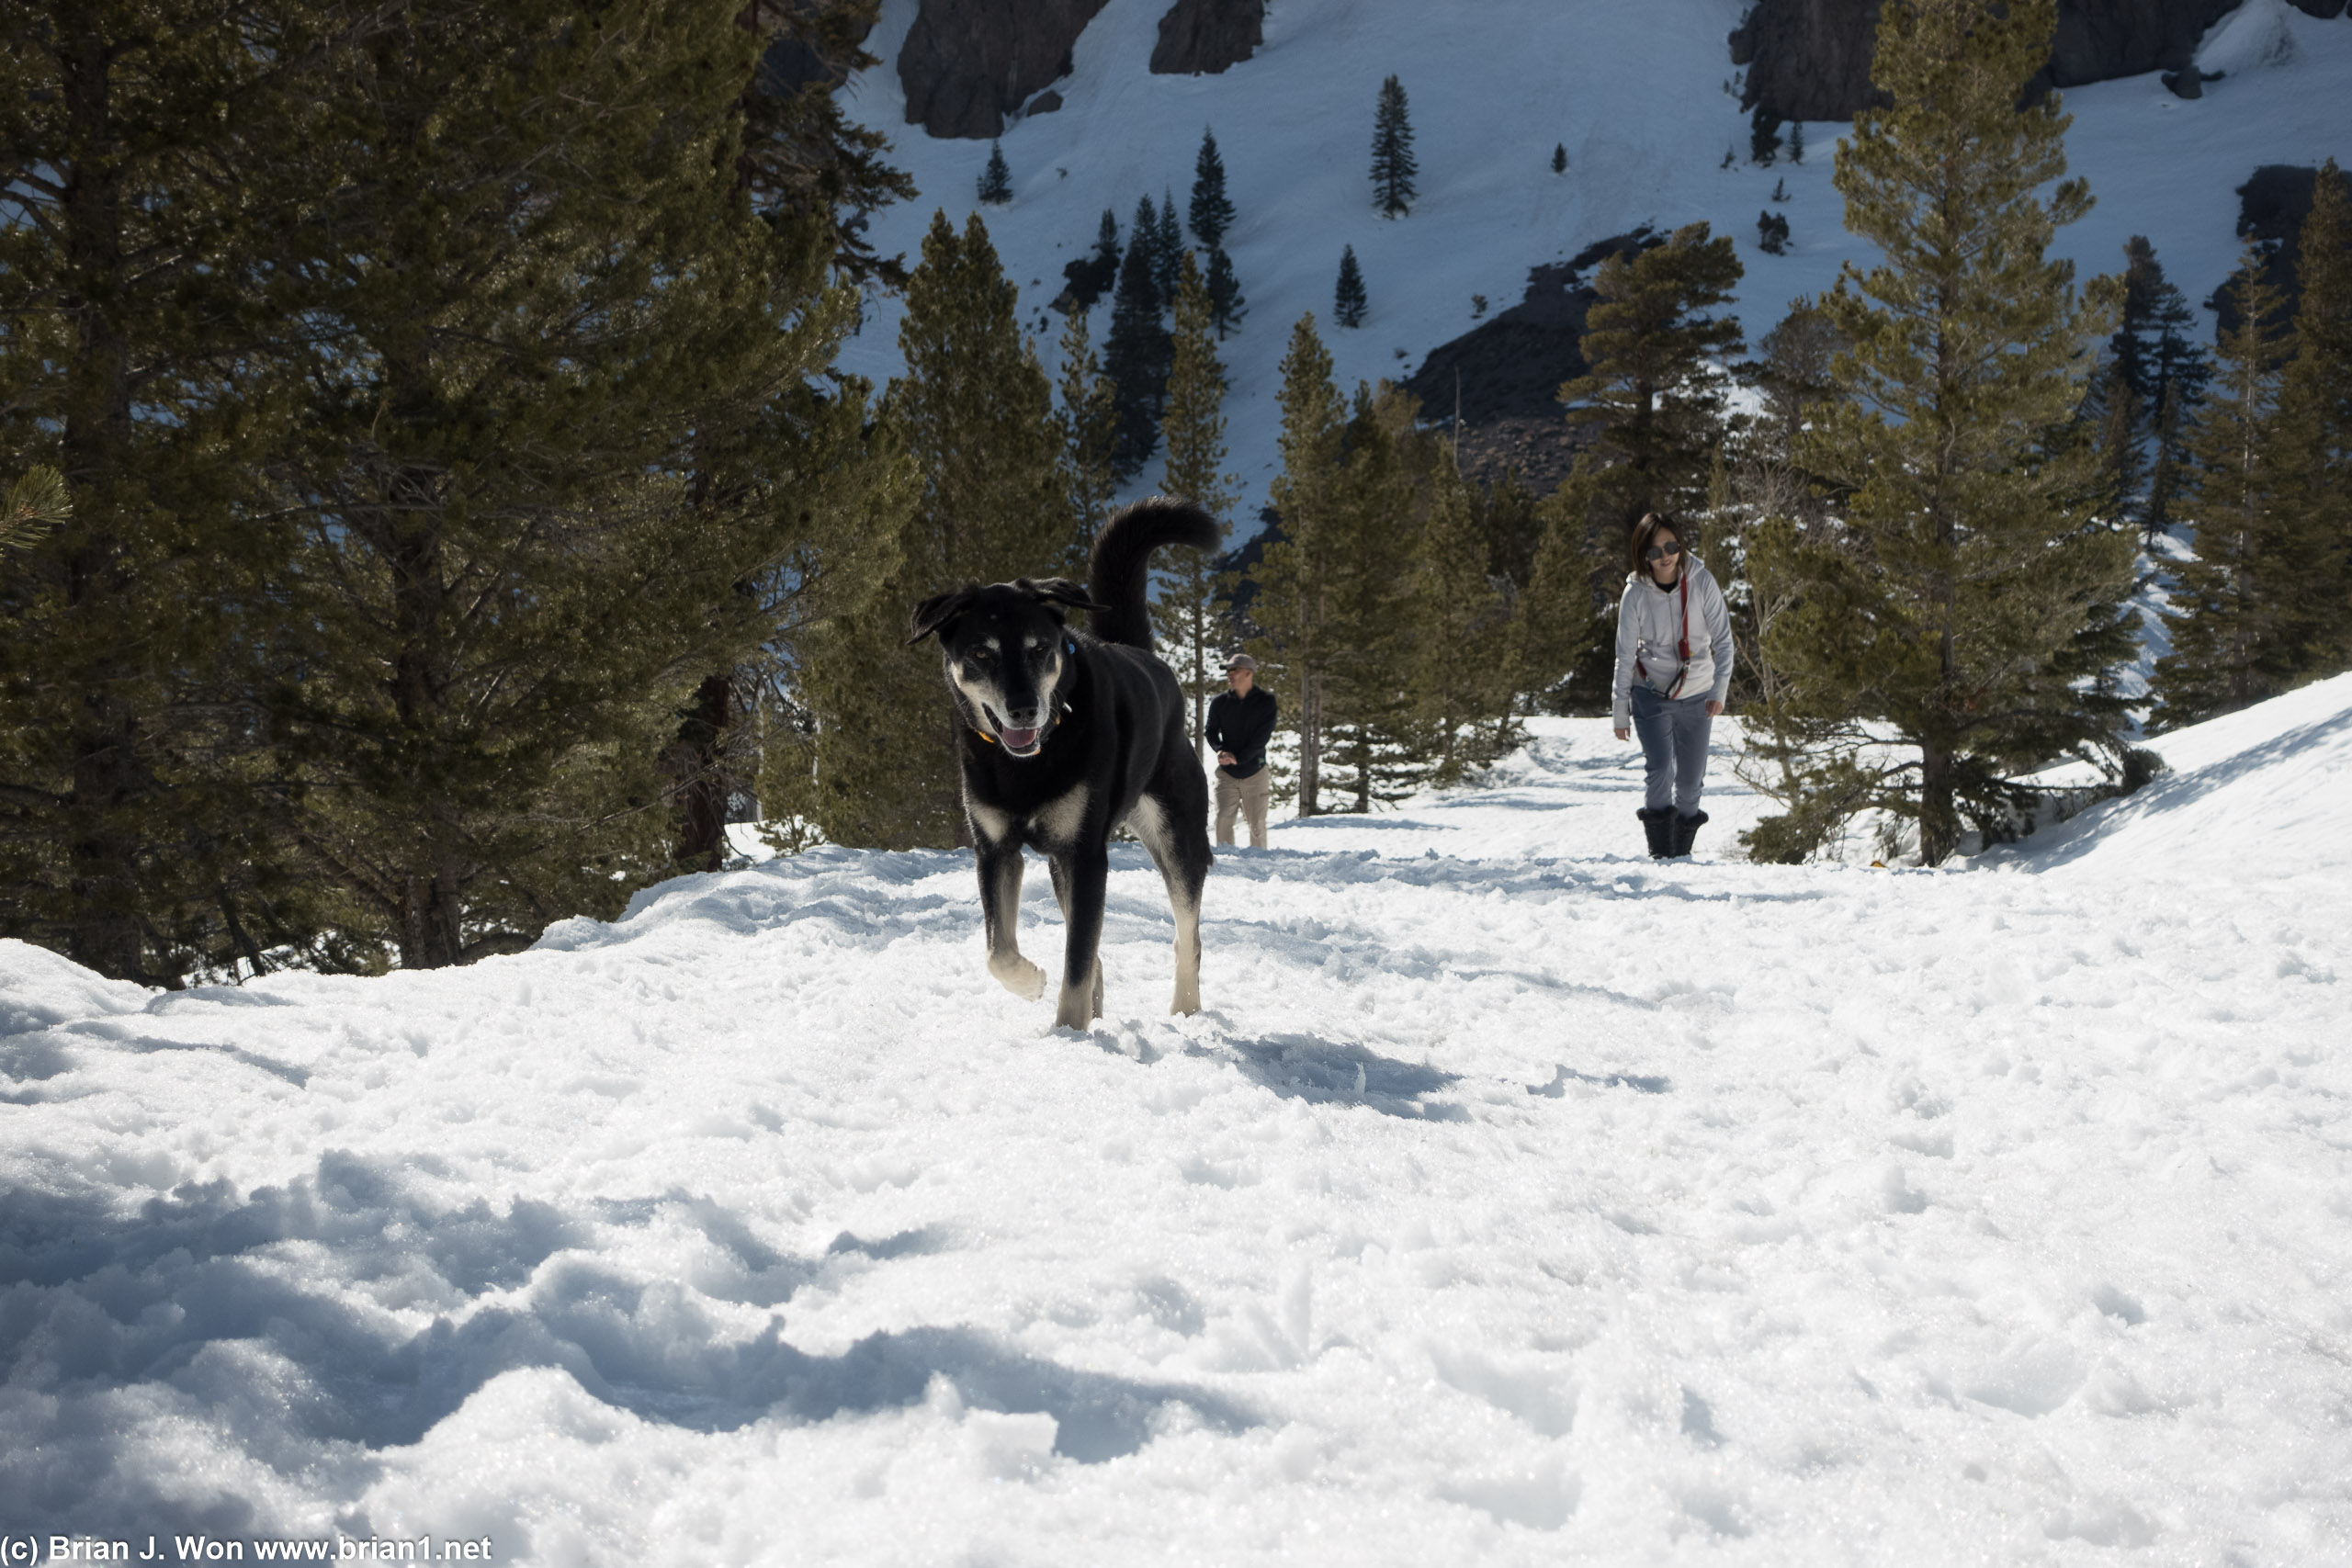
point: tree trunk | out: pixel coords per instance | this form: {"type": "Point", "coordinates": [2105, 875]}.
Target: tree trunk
{"type": "Point", "coordinates": [102, 850]}
{"type": "Point", "coordinates": [702, 782]}
{"type": "Point", "coordinates": [1310, 739]}
{"type": "Point", "coordinates": [1938, 824]}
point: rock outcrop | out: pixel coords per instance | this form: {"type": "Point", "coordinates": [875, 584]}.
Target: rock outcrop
{"type": "Point", "coordinates": [1811, 58]}
{"type": "Point", "coordinates": [968, 63]}
{"type": "Point", "coordinates": [1506, 374]}
{"type": "Point", "coordinates": [1203, 37]}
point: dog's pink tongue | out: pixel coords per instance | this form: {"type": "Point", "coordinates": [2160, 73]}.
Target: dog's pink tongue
{"type": "Point", "coordinates": [1020, 740]}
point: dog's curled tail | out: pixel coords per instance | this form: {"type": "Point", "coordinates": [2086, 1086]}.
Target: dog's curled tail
{"type": "Point", "coordinates": [1117, 577]}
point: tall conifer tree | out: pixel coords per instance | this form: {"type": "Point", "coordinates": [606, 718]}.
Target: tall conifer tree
{"type": "Point", "coordinates": [1228, 308]}
{"type": "Point", "coordinates": [561, 379]}
{"type": "Point", "coordinates": [1967, 603]}
{"type": "Point", "coordinates": [1291, 580]}
{"type": "Point", "coordinates": [2229, 648]}
{"type": "Point", "coordinates": [1652, 399]}
{"type": "Point", "coordinates": [2315, 428]}
{"type": "Point", "coordinates": [1349, 301]}
{"type": "Point", "coordinates": [996, 179]}
{"type": "Point", "coordinates": [1136, 354]}
{"type": "Point", "coordinates": [1195, 431]}
{"type": "Point", "coordinates": [1089, 415]}
{"type": "Point", "coordinates": [1212, 210]}
{"type": "Point", "coordinates": [974, 415]}
{"type": "Point", "coordinates": [147, 158]}
{"type": "Point", "coordinates": [1393, 164]}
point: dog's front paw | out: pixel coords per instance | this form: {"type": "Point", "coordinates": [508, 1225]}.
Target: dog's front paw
{"type": "Point", "coordinates": [1019, 976]}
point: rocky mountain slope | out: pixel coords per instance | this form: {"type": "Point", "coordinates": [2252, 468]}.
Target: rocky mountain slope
{"type": "Point", "coordinates": [1640, 96]}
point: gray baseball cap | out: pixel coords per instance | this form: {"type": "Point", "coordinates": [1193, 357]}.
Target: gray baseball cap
{"type": "Point", "coordinates": [1240, 662]}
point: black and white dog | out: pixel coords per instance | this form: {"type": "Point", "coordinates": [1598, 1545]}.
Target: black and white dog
{"type": "Point", "coordinates": [1065, 737]}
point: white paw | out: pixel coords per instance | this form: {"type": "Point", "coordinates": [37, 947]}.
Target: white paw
{"type": "Point", "coordinates": [1019, 976]}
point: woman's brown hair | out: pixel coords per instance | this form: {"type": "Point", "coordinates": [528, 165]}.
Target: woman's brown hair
{"type": "Point", "coordinates": [1644, 531]}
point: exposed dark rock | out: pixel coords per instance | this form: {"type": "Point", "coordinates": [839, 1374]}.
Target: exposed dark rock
{"type": "Point", "coordinates": [2272, 205]}
{"type": "Point", "coordinates": [2322, 9]}
{"type": "Point", "coordinates": [2186, 83]}
{"type": "Point", "coordinates": [967, 64]}
{"type": "Point", "coordinates": [1507, 372]}
{"type": "Point", "coordinates": [1046, 102]}
{"type": "Point", "coordinates": [1811, 58]}
{"type": "Point", "coordinates": [1203, 37]}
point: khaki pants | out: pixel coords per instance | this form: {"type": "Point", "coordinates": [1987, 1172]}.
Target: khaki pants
{"type": "Point", "coordinates": [1248, 796]}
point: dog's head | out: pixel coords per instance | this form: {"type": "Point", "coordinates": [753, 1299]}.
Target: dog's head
{"type": "Point", "coordinates": [1008, 653]}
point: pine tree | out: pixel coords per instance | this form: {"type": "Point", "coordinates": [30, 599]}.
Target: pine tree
{"type": "Point", "coordinates": [1228, 306]}
{"type": "Point", "coordinates": [1212, 210]}
{"type": "Point", "coordinates": [805, 159]}
{"type": "Point", "coordinates": [2228, 647]}
{"type": "Point", "coordinates": [2315, 429]}
{"type": "Point", "coordinates": [152, 155]}
{"type": "Point", "coordinates": [1349, 301]}
{"type": "Point", "coordinates": [1194, 429]}
{"type": "Point", "coordinates": [1771, 233]}
{"type": "Point", "coordinates": [1167, 251]}
{"type": "Point", "coordinates": [1290, 582]}
{"type": "Point", "coordinates": [1136, 354]}
{"type": "Point", "coordinates": [1393, 167]}
{"type": "Point", "coordinates": [1559, 157]}
{"type": "Point", "coordinates": [1966, 603]}
{"type": "Point", "coordinates": [1763, 136]}
{"type": "Point", "coordinates": [550, 458]}
{"type": "Point", "coordinates": [1653, 402]}
{"type": "Point", "coordinates": [1463, 635]}
{"type": "Point", "coordinates": [1796, 141]}
{"type": "Point", "coordinates": [1380, 507]}
{"type": "Point", "coordinates": [974, 414]}
{"type": "Point", "coordinates": [2156, 375]}
{"type": "Point", "coordinates": [1089, 415]}
{"type": "Point", "coordinates": [996, 180]}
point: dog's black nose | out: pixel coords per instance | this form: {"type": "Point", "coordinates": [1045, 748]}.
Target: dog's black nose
{"type": "Point", "coordinates": [1025, 718]}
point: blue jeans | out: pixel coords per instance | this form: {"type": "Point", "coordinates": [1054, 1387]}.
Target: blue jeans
{"type": "Point", "coordinates": [1674, 744]}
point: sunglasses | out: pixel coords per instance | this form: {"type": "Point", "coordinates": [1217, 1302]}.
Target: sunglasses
{"type": "Point", "coordinates": [1657, 552]}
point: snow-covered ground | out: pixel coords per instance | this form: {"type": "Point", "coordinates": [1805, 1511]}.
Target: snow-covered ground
{"type": "Point", "coordinates": [1632, 89]}
{"type": "Point", "coordinates": [1517, 1200]}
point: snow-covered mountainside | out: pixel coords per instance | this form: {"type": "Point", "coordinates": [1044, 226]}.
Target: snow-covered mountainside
{"type": "Point", "coordinates": [1516, 1200]}
{"type": "Point", "coordinates": [1635, 90]}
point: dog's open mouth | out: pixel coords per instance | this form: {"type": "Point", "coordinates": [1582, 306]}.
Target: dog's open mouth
{"type": "Point", "coordinates": [1019, 739]}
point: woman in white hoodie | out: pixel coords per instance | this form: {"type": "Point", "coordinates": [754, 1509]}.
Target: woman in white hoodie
{"type": "Point", "coordinates": [1673, 672]}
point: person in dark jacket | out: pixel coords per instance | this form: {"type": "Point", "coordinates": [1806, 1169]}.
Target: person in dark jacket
{"type": "Point", "coordinates": [1241, 723]}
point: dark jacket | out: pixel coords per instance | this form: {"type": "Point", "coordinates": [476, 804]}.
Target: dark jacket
{"type": "Point", "coordinates": [1243, 725]}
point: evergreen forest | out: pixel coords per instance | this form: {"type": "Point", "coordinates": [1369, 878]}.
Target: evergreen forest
{"type": "Point", "coordinates": [432, 506]}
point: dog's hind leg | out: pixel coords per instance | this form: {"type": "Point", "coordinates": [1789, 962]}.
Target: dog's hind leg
{"type": "Point", "coordinates": [1082, 880]}
{"type": "Point", "coordinates": [1183, 867]}
{"type": "Point", "coordinates": [999, 863]}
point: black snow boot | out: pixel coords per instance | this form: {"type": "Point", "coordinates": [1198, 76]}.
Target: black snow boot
{"type": "Point", "coordinates": [1686, 828]}
{"type": "Point", "coordinates": [1659, 825]}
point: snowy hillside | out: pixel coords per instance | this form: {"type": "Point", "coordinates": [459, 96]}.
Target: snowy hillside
{"type": "Point", "coordinates": [1633, 89]}
{"type": "Point", "coordinates": [1516, 1201]}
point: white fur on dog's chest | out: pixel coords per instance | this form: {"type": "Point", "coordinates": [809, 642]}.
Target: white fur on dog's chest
{"type": "Point", "coordinates": [1057, 822]}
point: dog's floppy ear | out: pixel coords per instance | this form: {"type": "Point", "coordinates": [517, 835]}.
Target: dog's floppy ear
{"type": "Point", "coordinates": [938, 610]}
{"type": "Point", "coordinates": [1057, 590]}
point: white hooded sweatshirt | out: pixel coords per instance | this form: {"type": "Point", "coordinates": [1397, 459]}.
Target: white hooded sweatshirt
{"type": "Point", "coordinates": [1650, 632]}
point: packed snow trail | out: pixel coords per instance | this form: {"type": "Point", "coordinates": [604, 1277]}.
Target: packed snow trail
{"type": "Point", "coordinates": [1517, 1200]}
